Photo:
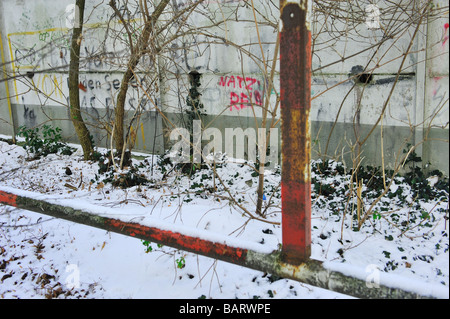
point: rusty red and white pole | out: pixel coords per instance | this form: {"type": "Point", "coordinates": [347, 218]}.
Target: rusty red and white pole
{"type": "Point", "coordinates": [295, 84]}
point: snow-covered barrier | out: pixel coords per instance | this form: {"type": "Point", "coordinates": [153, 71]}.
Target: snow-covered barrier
{"type": "Point", "coordinates": [344, 279]}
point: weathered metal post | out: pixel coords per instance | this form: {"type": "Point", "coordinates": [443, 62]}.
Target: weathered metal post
{"type": "Point", "coordinates": [295, 83]}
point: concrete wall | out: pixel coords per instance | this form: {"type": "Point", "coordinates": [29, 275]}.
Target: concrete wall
{"type": "Point", "coordinates": [35, 38]}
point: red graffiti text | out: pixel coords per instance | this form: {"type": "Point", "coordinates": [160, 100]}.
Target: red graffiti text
{"type": "Point", "coordinates": [244, 91]}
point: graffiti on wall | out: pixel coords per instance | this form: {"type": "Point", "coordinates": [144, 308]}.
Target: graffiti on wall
{"type": "Point", "coordinates": [445, 38]}
{"type": "Point", "coordinates": [243, 91]}
{"type": "Point", "coordinates": [181, 4]}
{"type": "Point", "coordinates": [41, 61]}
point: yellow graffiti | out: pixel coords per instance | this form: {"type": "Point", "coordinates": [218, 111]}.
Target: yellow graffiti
{"type": "Point", "coordinates": [13, 68]}
{"type": "Point", "coordinates": [143, 135]}
{"type": "Point", "coordinates": [49, 85]}
{"type": "Point", "coordinates": [133, 136]}
{"type": "Point", "coordinates": [58, 85]}
{"type": "Point", "coordinates": [8, 98]}
{"type": "Point", "coordinates": [40, 34]}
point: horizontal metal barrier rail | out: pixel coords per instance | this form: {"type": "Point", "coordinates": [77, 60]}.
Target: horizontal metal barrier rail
{"type": "Point", "coordinates": [312, 272]}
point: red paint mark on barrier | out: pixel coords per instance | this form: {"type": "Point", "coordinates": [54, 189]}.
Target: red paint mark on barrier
{"type": "Point", "coordinates": [8, 199]}
{"type": "Point", "coordinates": [178, 240]}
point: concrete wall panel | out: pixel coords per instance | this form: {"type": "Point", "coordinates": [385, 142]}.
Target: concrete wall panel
{"type": "Point", "coordinates": [221, 45]}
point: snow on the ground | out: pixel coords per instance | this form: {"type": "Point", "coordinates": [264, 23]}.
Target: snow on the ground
{"type": "Point", "coordinates": [44, 257]}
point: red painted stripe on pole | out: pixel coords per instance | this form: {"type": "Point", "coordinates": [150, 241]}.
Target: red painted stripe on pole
{"type": "Point", "coordinates": [296, 235]}
{"type": "Point", "coordinates": [8, 199]}
{"type": "Point", "coordinates": [188, 243]}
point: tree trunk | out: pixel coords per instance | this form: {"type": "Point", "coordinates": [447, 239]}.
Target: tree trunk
{"type": "Point", "coordinates": [137, 51]}
{"type": "Point", "coordinates": [74, 92]}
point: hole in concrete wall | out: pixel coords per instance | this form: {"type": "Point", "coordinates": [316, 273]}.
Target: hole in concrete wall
{"type": "Point", "coordinates": [364, 78]}
{"type": "Point", "coordinates": [361, 76]}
